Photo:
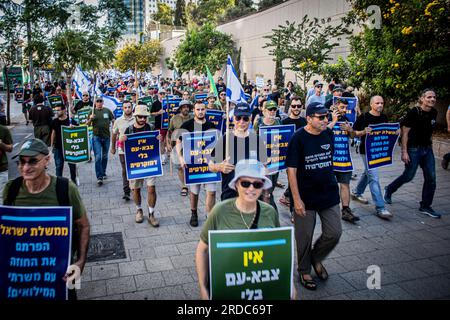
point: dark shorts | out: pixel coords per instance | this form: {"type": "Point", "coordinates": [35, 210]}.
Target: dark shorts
{"type": "Point", "coordinates": [343, 177]}
{"type": "Point", "coordinates": [163, 133]}
{"type": "Point", "coordinates": [25, 107]}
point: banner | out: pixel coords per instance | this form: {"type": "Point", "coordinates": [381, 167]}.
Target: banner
{"type": "Point", "coordinates": [171, 105]}
{"type": "Point", "coordinates": [216, 117]}
{"type": "Point", "coordinates": [75, 144]}
{"type": "Point", "coordinates": [251, 264]}
{"type": "Point", "coordinates": [351, 111]}
{"type": "Point", "coordinates": [380, 144]}
{"type": "Point", "coordinates": [18, 94]}
{"type": "Point", "coordinates": [201, 97]}
{"type": "Point", "coordinates": [142, 155]}
{"type": "Point", "coordinates": [35, 248]}
{"type": "Point", "coordinates": [277, 139]}
{"type": "Point", "coordinates": [118, 111]}
{"type": "Point", "coordinates": [259, 81]}
{"type": "Point", "coordinates": [197, 149]}
{"type": "Point", "coordinates": [342, 158]}
{"type": "Point", "coordinates": [148, 101]}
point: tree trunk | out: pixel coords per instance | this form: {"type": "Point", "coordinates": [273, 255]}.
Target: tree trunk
{"type": "Point", "coordinates": [30, 54]}
{"type": "Point", "coordinates": [8, 96]}
{"type": "Point", "coordinates": [69, 93]}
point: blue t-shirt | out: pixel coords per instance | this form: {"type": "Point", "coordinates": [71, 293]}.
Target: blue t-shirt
{"type": "Point", "coordinates": [312, 155]}
{"type": "Point", "coordinates": [315, 98]}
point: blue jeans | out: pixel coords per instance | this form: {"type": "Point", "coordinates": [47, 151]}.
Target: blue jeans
{"type": "Point", "coordinates": [101, 149]}
{"type": "Point", "coordinates": [370, 177]}
{"type": "Point", "coordinates": [423, 157]}
{"type": "Point", "coordinates": [59, 164]}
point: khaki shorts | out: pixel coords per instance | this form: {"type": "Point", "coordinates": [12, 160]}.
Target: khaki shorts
{"type": "Point", "coordinates": [139, 183]}
{"type": "Point", "coordinates": [209, 187]}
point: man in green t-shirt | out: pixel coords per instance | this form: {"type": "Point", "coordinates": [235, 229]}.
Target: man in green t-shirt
{"type": "Point", "coordinates": [5, 146]}
{"type": "Point", "coordinates": [39, 189]}
{"type": "Point", "coordinates": [101, 120]}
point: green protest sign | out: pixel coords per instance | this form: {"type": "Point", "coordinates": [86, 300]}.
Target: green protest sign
{"type": "Point", "coordinates": [55, 101]}
{"type": "Point", "coordinates": [251, 264]}
{"type": "Point", "coordinates": [147, 100]}
{"type": "Point", "coordinates": [83, 115]}
{"type": "Point", "coordinates": [75, 144]}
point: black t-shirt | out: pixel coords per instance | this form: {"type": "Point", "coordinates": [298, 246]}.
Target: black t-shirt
{"type": "Point", "coordinates": [274, 96]}
{"type": "Point", "coordinates": [133, 129]}
{"type": "Point", "coordinates": [193, 126]}
{"type": "Point", "coordinates": [422, 124]}
{"type": "Point", "coordinates": [27, 94]}
{"type": "Point", "coordinates": [299, 123]}
{"type": "Point", "coordinates": [221, 87]}
{"type": "Point", "coordinates": [81, 104]}
{"type": "Point", "coordinates": [312, 155]}
{"type": "Point", "coordinates": [363, 122]}
{"type": "Point", "coordinates": [156, 106]}
{"type": "Point", "coordinates": [56, 125]}
{"type": "Point", "coordinates": [250, 147]}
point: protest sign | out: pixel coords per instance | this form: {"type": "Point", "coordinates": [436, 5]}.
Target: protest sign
{"type": "Point", "coordinates": [380, 144]}
{"type": "Point", "coordinates": [342, 158]}
{"type": "Point", "coordinates": [201, 97]}
{"type": "Point", "coordinates": [82, 118]}
{"type": "Point", "coordinates": [259, 81]}
{"type": "Point", "coordinates": [171, 105]}
{"type": "Point", "coordinates": [216, 117]}
{"type": "Point", "coordinates": [35, 249]}
{"type": "Point", "coordinates": [277, 139]}
{"type": "Point", "coordinates": [197, 149]}
{"type": "Point", "coordinates": [118, 111]}
{"type": "Point", "coordinates": [251, 264]}
{"type": "Point", "coordinates": [75, 144]}
{"type": "Point", "coordinates": [18, 92]}
{"type": "Point", "coordinates": [351, 108]}
{"type": "Point", "coordinates": [55, 101]}
{"type": "Point", "coordinates": [142, 155]}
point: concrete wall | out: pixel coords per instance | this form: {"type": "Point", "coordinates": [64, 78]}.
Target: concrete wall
{"type": "Point", "coordinates": [248, 33]}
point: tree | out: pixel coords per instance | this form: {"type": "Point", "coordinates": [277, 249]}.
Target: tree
{"type": "Point", "coordinates": [407, 53]}
{"type": "Point", "coordinates": [142, 56]}
{"type": "Point", "coordinates": [264, 4]}
{"type": "Point", "coordinates": [164, 15]}
{"type": "Point", "coordinates": [180, 14]}
{"type": "Point", "coordinates": [277, 39]}
{"type": "Point", "coordinates": [204, 46]}
{"type": "Point", "coordinates": [241, 8]}
{"type": "Point", "coordinates": [210, 11]}
{"type": "Point", "coordinates": [306, 45]}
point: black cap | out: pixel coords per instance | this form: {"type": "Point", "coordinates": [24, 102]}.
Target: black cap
{"type": "Point", "coordinates": [314, 108]}
{"type": "Point", "coordinates": [242, 109]}
{"type": "Point", "coordinates": [31, 148]}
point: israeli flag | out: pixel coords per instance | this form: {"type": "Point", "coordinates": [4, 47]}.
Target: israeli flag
{"type": "Point", "coordinates": [235, 93]}
{"type": "Point", "coordinates": [109, 102]}
{"type": "Point", "coordinates": [81, 82]}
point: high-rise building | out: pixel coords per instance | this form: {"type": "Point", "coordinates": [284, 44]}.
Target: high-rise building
{"type": "Point", "coordinates": [151, 7]}
{"type": "Point", "coordinates": [136, 24]}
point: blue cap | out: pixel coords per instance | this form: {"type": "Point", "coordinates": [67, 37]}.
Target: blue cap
{"type": "Point", "coordinates": [242, 109]}
{"type": "Point", "coordinates": [315, 108]}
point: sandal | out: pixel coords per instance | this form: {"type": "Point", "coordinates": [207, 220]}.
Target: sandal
{"type": "Point", "coordinates": [184, 191]}
{"type": "Point", "coordinates": [279, 185]}
{"type": "Point", "coordinates": [323, 275]}
{"type": "Point", "coordinates": [284, 201]}
{"type": "Point", "coordinates": [308, 284]}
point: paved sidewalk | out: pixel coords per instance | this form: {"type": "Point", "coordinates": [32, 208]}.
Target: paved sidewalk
{"type": "Point", "coordinates": [412, 250]}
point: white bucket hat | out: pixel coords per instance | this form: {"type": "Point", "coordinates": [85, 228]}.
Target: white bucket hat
{"type": "Point", "coordinates": [250, 168]}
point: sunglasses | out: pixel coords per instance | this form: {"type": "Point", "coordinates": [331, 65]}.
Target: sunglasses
{"type": "Point", "coordinates": [32, 162]}
{"type": "Point", "coordinates": [296, 106]}
{"type": "Point", "coordinates": [266, 90]}
{"type": "Point", "coordinates": [321, 118]}
{"type": "Point", "coordinates": [272, 109]}
{"type": "Point", "coordinates": [85, 95]}
{"type": "Point", "coordinates": [141, 117]}
{"type": "Point", "coordinates": [319, 87]}
{"type": "Point", "coordinates": [245, 118]}
{"type": "Point", "coordinates": [257, 184]}
{"type": "Point", "coordinates": [99, 100]}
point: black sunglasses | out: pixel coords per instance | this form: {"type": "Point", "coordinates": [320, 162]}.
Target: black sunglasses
{"type": "Point", "coordinates": [256, 184]}
{"type": "Point", "coordinates": [245, 118]}
{"type": "Point", "coordinates": [321, 118]}
{"type": "Point", "coordinates": [142, 117]}
{"type": "Point", "coordinates": [296, 106]}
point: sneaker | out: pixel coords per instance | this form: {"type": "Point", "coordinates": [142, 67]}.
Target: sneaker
{"type": "Point", "coordinates": [105, 177]}
{"type": "Point", "coordinates": [444, 164]}
{"type": "Point", "coordinates": [100, 182]}
{"type": "Point", "coordinates": [359, 198]}
{"type": "Point", "coordinates": [347, 215]}
{"type": "Point", "coordinates": [139, 216]}
{"type": "Point", "coordinates": [384, 214]}
{"type": "Point", "coordinates": [152, 220]}
{"type": "Point", "coordinates": [126, 197]}
{"type": "Point", "coordinates": [354, 176]}
{"type": "Point", "coordinates": [387, 196]}
{"type": "Point", "coordinates": [194, 220]}
{"type": "Point", "coordinates": [430, 212]}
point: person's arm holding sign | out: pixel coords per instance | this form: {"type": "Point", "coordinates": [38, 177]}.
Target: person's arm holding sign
{"type": "Point", "coordinates": [179, 147]}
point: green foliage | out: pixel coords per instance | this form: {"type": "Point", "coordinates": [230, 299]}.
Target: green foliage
{"type": "Point", "coordinates": [264, 4]}
{"type": "Point", "coordinates": [407, 54]}
{"type": "Point", "coordinates": [204, 46]}
{"type": "Point", "coordinates": [207, 11]}
{"type": "Point", "coordinates": [180, 13]}
{"type": "Point", "coordinates": [164, 14]}
{"type": "Point", "coordinates": [241, 8]}
{"type": "Point", "coordinates": [143, 55]}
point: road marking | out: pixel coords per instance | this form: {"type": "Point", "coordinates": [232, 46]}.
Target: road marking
{"type": "Point", "coordinates": [28, 135]}
{"type": "Point", "coordinates": [15, 145]}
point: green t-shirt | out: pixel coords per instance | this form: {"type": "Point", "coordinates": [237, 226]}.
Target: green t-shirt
{"type": "Point", "coordinates": [48, 198]}
{"type": "Point", "coordinates": [5, 136]}
{"type": "Point", "coordinates": [102, 122]}
{"type": "Point", "coordinates": [226, 216]}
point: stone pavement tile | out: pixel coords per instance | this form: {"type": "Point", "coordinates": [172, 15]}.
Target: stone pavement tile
{"type": "Point", "coordinates": [140, 295]}
{"type": "Point", "coordinates": [102, 228]}
{"type": "Point", "coordinates": [403, 271]}
{"type": "Point", "coordinates": [355, 247]}
{"type": "Point", "coordinates": [351, 235]}
{"type": "Point", "coordinates": [358, 279]}
{"type": "Point", "coordinates": [422, 251]}
{"type": "Point", "coordinates": [350, 263]}
{"type": "Point", "coordinates": [364, 295]}
{"type": "Point", "coordinates": [336, 284]}
{"type": "Point", "coordinates": [87, 273]}
{"type": "Point", "coordinates": [386, 242]}
{"type": "Point", "coordinates": [111, 219]}
{"type": "Point", "coordinates": [111, 298]}
{"type": "Point", "coordinates": [193, 273]}
{"type": "Point", "coordinates": [376, 230]}
{"type": "Point", "coordinates": [430, 267]}
{"type": "Point", "coordinates": [384, 257]}
{"type": "Point", "coordinates": [406, 238]}
{"type": "Point", "coordinates": [149, 281]}
{"type": "Point", "coordinates": [177, 276]}
{"type": "Point", "coordinates": [442, 232]}
{"type": "Point", "coordinates": [166, 251]}
{"type": "Point", "coordinates": [120, 285]}
{"type": "Point", "coordinates": [443, 261]}
{"type": "Point", "coordinates": [183, 261]}
{"type": "Point", "coordinates": [305, 294]}
{"type": "Point", "coordinates": [332, 266]}
{"type": "Point", "coordinates": [170, 293]}
{"type": "Point", "coordinates": [142, 253]}
{"type": "Point", "coordinates": [92, 289]}
{"type": "Point", "coordinates": [187, 247]}
{"type": "Point", "coordinates": [132, 268]}
{"type": "Point", "coordinates": [192, 291]}
{"type": "Point", "coordinates": [337, 297]}
{"type": "Point", "coordinates": [426, 236]}
{"type": "Point", "coordinates": [131, 243]}
{"type": "Point", "coordinates": [393, 292]}
{"type": "Point", "coordinates": [430, 288]}
{"type": "Point", "coordinates": [158, 264]}
{"type": "Point", "coordinates": [105, 271]}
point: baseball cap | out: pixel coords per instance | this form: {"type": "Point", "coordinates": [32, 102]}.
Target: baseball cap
{"type": "Point", "coordinates": [242, 109]}
{"type": "Point", "coordinates": [162, 91]}
{"type": "Point", "coordinates": [211, 95]}
{"type": "Point", "coordinates": [314, 108]}
{"type": "Point", "coordinates": [318, 84]}
{"type": "Point", "coordinates": [271, 105]}
{"type": "Point", "coordinates": [31, 148]}
{"type": "Point", "coordinates": [343, 101]}
{"type": "Point", "coordinates": [338, 88]}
